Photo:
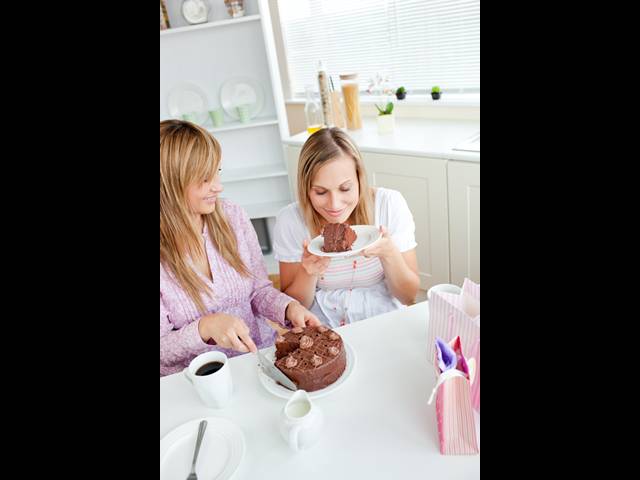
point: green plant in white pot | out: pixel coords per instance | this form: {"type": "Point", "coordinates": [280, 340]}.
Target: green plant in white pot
{"type": "Point", "coordinates": [386, 118]}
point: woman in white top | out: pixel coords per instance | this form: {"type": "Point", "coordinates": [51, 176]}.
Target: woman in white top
{"type": "Point", "coordinates": [333, 188]}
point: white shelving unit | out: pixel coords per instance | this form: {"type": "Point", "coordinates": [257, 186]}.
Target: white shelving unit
{"type": "Point", "coordinates": [254, 171]}
{"type": "Point", "coordinates": [258, 122]}
{"type": "Point", "coordinates": [202, 26]}
{"type": "Point", "coordinates": [265, 210]}
{"type": "Point", "coordinates": [271, 263]}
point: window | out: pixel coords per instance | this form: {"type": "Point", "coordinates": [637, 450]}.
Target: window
{"type": "Point", "coordinates": [415, 43]}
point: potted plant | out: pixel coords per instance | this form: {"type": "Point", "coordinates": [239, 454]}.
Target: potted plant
{"type": "Point", "coordinates": [401, 93]}
{"type": "Point", "coordinates": [386, 119]}
{"type": "Point", "coordinates": [435, 93]}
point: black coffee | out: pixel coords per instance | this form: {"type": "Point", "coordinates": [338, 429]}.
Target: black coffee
{"type": "Point", "coordinates": [209, 368]}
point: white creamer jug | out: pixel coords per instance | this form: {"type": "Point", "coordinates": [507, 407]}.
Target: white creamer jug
{"type": "Point", "coordinates": [301, 421]}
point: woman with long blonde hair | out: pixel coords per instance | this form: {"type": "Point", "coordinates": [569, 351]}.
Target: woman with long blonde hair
{"type": "Point", "coordinates": [333, 188]}
{"type": "Point", "coordinates": [214, 290]}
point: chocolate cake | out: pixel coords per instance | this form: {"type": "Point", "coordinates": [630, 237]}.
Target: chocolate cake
{"type": "Point", "coordinates": [338, 237]}
{"type": "Point", "coordinates": [312, 357]}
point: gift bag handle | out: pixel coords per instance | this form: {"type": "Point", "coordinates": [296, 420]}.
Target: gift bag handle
{"type": "Point", "coordinates": [446, 375]}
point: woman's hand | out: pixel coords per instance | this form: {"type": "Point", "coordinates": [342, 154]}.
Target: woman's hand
{"type": "Point", "coordinates": [228, 331]}
{"type": "Point", "coordinates": [300, 316]}
{"type": "Point", "coordinates": [311, 263]}
{"type": "Point", "coordinates": [384, 248]}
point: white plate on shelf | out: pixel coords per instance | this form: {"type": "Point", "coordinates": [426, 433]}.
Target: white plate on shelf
{"type": "Point", "coordinates": [220, 454]}
{"type": "Point", "coordinates": [279, 391]}
{"type": "Point", "coordinates": [188, 99]}
{"type": "Point", "coordinates": [241, 91]}
{"type": "Point", "coordinates": [367, 235]}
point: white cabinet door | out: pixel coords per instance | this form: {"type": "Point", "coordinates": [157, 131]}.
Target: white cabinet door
{"type": "Point", "coordinates": [464, 221]}
{"type": "Point", "coordinates": [423, 183]}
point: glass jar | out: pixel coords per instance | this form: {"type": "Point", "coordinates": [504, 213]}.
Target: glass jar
{"type": "Point", "coordinates": [351, 95]}
{"type": "Point", "coordinates": [325, 95]}
{"type": "Point", "coordinates": [312, 112]}
{"type": "Point", "coordinates": [235, 8]}
{"type": "Point", "coordinates": [337, 107]}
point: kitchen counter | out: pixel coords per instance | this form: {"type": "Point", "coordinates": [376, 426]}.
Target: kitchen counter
{"type": "Point", "coordinates": [412, 136]}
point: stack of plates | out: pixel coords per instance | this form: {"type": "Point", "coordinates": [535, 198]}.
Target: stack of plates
{"type": "Point", "coordinates": [187, 101]}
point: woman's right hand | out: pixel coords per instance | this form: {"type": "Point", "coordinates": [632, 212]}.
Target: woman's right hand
{"type": "Point", "coordinates": [313, 264]}
{"type": "Point", "coordinates": [228, 331]}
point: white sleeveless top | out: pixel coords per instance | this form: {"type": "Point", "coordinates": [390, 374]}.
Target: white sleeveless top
{"type": "Point", "coordinates": [354, 288]}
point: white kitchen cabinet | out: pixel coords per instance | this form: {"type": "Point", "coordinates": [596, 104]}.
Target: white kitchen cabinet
{"type": "Point", "coordinates": [464, 220]}
{"type": "Point", "coordinates": [254, 172]}
{"type": "Point", "coordinates": [423, 183]}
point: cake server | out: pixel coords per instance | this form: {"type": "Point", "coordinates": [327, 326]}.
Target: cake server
{"type": "Point", "coordinates": [272, 371]}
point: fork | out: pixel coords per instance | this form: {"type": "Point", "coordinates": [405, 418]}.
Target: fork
{"type": "Point", "coordinates": [201, 429]}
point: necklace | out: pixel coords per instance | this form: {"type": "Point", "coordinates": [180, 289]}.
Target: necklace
{"type": "Point", "coordinates": [347, 301]}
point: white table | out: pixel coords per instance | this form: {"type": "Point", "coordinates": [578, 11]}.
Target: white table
{"type": "Point", "coordinates": [378, 424]}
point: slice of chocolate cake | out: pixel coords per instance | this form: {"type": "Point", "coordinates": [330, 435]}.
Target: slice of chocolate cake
{"type": "Point", "coordinates": [312, 357]}
{"type": "Point", "coordinates": [338, 237]}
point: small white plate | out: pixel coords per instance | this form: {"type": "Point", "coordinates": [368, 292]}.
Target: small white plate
{"type": "Point", "coordinates": [220, 454]}
{"type": "Point", "coordinates": [279, 391]}
{"type": "Point", "coordinates": [241, 91]}
{"type": "Point", "coordinates": [367, 236]}
{"type": "Point", "coordinates": [188, 99]}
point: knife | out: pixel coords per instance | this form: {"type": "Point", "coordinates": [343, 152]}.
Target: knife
{"type": "Point", "coordinates": [272, 371]}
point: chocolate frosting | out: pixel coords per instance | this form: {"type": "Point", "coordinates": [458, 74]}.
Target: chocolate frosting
{"type": "Point", "coordinates": [319, 362]}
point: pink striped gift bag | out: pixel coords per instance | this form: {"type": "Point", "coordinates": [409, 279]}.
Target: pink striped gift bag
{"type": "Point", "coordinates": [454, 413]}
{"type": "Point", "coordinates": [475, 384]}
{"type": "Point", "coordinates": [451, 315]}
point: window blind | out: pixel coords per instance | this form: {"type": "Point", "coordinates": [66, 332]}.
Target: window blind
{"type": "Point", "coordinates": [415, 43]}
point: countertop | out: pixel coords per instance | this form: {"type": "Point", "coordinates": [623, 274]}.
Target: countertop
{"type": "Point", "coordinates": [434, 138]}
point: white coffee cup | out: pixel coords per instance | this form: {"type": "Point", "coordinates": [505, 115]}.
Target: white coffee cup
{"type": "Point", "coordinates": [444, 288]}
{"type": "Point", "coordinates": [214, 389]}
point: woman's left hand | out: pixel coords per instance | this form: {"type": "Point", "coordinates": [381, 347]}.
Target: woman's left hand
{"type": "Point", "coordinates": [300, 316]}
{"type": "Point", "coordinates": [383, 248]}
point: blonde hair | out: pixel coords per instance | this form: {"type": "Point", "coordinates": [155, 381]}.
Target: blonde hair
{"type": "Point", "coordinates": [190, 155]}
{"type": "Point", "coordinates": [320, 148]}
